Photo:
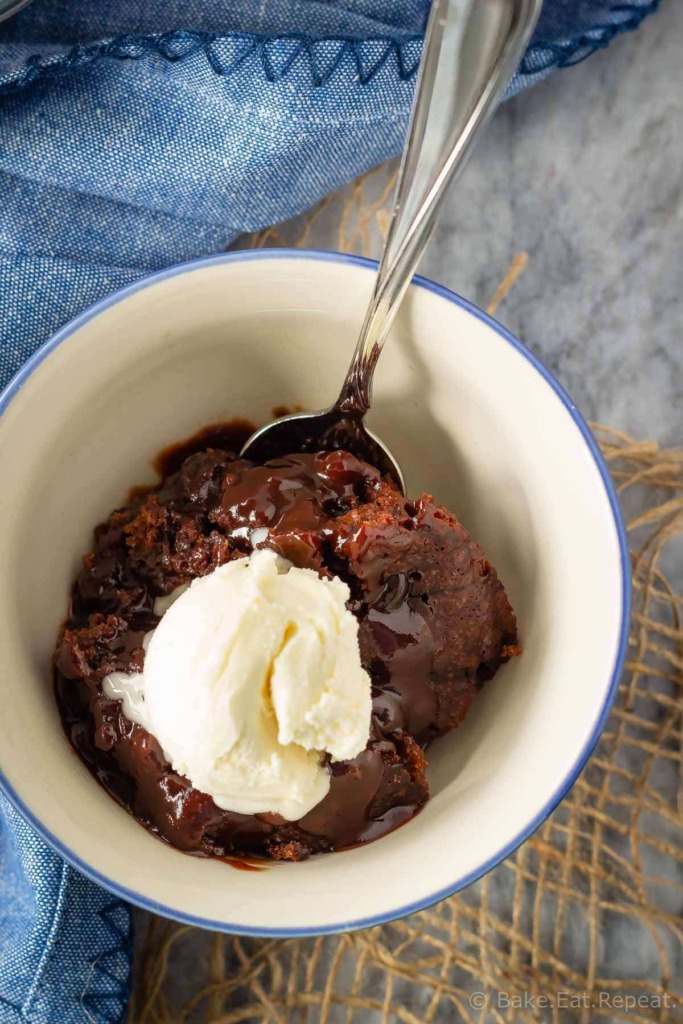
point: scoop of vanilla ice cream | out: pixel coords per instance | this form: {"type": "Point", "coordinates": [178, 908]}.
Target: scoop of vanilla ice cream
{"type": "Point", "coordinates": [251, 677]}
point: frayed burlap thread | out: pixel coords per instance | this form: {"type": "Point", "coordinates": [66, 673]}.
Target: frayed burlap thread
{"type": "Point", "coordinates": [549, 935]}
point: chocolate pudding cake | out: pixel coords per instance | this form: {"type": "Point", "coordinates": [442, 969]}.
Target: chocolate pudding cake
{"type": "Point", "coordinates": [433, 624]}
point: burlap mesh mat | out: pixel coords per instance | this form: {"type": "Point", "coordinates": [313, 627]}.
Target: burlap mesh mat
{"type": "Point", "coordinates": [527, 943]}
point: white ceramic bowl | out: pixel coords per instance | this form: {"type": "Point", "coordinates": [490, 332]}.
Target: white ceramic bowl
{"type": "Point", "coordinates": [473, 417]}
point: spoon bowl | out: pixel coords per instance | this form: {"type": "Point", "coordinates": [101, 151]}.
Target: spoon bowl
{"type": "Point", "coordinates": [330, 430]}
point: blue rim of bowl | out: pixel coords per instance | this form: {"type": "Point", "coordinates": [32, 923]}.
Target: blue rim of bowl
{"type": "Point", "coordinates": [420, 282]}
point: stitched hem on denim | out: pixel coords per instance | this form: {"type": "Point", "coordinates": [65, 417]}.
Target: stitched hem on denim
{"type": "Point", "coordinates": [107, 1004]}
{"type": "Point", "coordinates": [542, 57]}
{"type": "Point", "coordinates": [49, 943]}
{"type": "Point", "coordinates": [363, 58]}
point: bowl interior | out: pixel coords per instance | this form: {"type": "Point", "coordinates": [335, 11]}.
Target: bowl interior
{"type": "Point", "coordinates": [472, 421]}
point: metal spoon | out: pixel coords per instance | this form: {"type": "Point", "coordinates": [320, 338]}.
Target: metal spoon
{"type": "Point", "coordinates": [471, 50]}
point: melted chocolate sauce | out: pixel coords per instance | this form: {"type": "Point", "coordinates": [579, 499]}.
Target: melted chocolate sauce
{"type": "Point", "coordinates": [330, 431]}
{"type": "Point", "coordinates": [230, 436]}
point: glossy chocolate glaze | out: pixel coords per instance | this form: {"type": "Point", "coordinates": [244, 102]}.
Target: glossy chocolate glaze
{"type": "Point", "coordinates": [434, 622]}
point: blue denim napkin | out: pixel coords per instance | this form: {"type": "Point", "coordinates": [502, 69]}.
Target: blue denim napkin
{"type": "Point", "coordinates": [137, 134]}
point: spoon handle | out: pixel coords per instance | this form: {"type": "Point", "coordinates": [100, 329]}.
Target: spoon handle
{"type": "Point", "coordinates": [471, 50]}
